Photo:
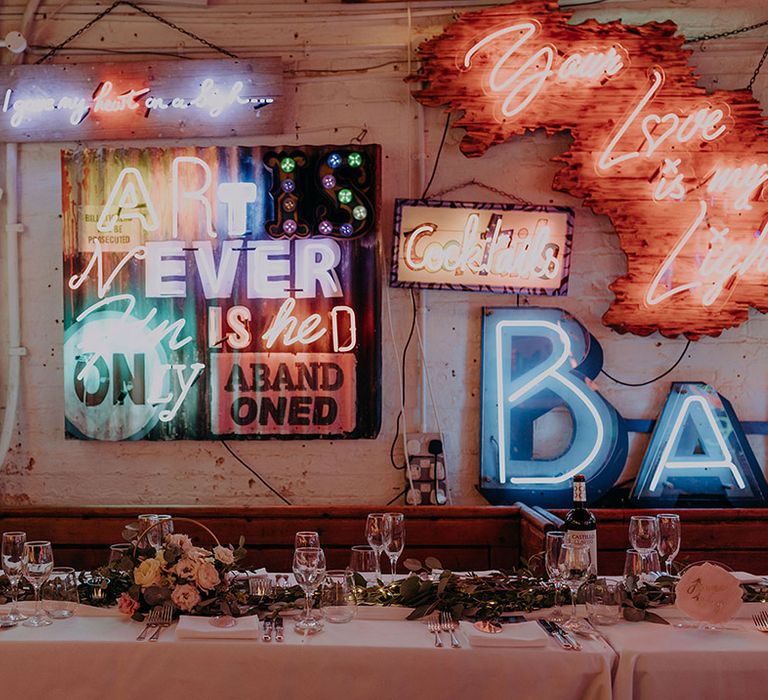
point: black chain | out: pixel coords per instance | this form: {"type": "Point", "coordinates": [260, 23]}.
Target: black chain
{"type": "Point", "coordinates": [723, 35]}
{"type": "Point", "coordinates": [144, 11]}
{"type": "Point", "coordinates": [476, 183]}
{"type": "Point", "coordinates": [758, 69]}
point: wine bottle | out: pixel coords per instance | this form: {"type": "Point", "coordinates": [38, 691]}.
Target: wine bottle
{"type": "Point", "coordinates": [580, 524]}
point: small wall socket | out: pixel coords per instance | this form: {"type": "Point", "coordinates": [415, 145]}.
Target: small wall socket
{"type": "Point", "coordinates": [427, 465]}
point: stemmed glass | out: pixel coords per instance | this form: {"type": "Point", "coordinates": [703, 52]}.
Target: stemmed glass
{"type": "Point", "coordinates": [13, 556]}
{"type": "Point", "coordinates": [309, 570]}
{"type": "Point", "coordinates": [575, 566]}
{"type": "Point", "coordinates": [37, 566]}
{"type": "Point", "coordinates": [306, 538]}
{"type": "Point", "coordinates": [669, 538]}
{"type": "Point", "coordinates": [394, 538]}
{"type": "Point", "coordinates": [644, 534]}
{"type": "Point", "coordinates": [374, 532]}
{"type": "Point", "coordinates": [553, 545]}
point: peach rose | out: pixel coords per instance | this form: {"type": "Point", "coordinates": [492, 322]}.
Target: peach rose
{"type": "Point", "coordinates": [197, 553]}
{"type": "Point", "coordinates": [181, 541]}
{"type": "Point", "coordinates": [127, 605]}
{"type": "Point", "coordinates": [186, 568]}
{"type": "Point", "coordinates": [224, 555]}
{"type": "Point", "coordinates": [148, 573]}
{"type": "Point", "coordinates": [185, 597]}
{"type": "Point", "coordinates": [207, 577]}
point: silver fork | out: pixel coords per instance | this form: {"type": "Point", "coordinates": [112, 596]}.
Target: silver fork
{"type": "Point", "coordinates": [434, 626]}
{"type": "Point", "coordinates": [448, 624]}
{"type": "Point", "coordinates": [151, 621]}
{"type": "Point", "coordinates": [166, 617]}
{"type": "Point", "coordinates": [761, 621]}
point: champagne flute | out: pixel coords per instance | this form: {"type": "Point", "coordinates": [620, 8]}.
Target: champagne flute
{"type": "Point", "coordinates": [37, 566]}
{"type": "Point", "coordinates": [553, 545]}
{"type": "Point", "coordinates": [374, 532]}
{"type": "Point", "coordinates": [309, 570]}
{"type": "Point", "coordinates": [669, 538]}
{"type": "Point", "coordinates": [394, 538]}
{"type": "Point", "coordinates": [575, 566]}
{"type": "Point", "coordinates": [306, 538]}
{"type": "Point", "coordinates": [12, 558]}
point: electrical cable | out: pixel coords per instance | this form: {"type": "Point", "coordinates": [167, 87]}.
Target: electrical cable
{"type": "Point", "coordinates": [437, 156]}
{"type": "Point", "coordinates": [402, 493]}
{"type": "Point", "coordinates": [256, 474]}
{"type": "Point", "coordinates": [655, 379]}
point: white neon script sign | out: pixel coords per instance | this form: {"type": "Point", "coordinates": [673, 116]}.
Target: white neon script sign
{"type": "Point", "coordinates": [211, 98]}
{"type": "Point", "coordinates": [523, 84]}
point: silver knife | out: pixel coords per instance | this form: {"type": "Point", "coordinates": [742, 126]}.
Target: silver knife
{"type": "Point", "coordinates": [279, 629]}
{"type": "Point", "coordinates": [267, 636]}
{"type": "Point", "coordinates": [552, 632]}
{"type": "Point", "coordinates": [568, 636]}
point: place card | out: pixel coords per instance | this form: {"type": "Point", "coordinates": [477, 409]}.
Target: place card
{"type": "Point", "coordinates": [708, 593]}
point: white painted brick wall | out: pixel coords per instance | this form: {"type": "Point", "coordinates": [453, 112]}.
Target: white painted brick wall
{"type": "Point", "coordinates": [42, 468]}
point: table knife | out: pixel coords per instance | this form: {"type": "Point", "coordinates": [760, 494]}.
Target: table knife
{"type": "Point", "coordinates": [267, 636]}
{"type": "Point", "coordinates": [552, 632]}
{"type": "Point", "coordinates": [278, 629]}
{"type": "Point", "coordinates": [568, 636]}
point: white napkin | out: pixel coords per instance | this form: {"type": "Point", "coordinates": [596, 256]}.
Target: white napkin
{"type": "Point", "coordinates": [191, 627]}
{"type": "Point", "coordinates": [519, 634]}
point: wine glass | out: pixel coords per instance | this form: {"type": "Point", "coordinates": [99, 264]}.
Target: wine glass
{"type": "Point", "coordinates": [364, 560]}
{"type": "Point", "coordinates": [669, 538]}
{"type": "Point", "coordinates": [37, 565]}
{"type": "Point", "coordinates": [12, 557]}
{"type": "Point", "coordinates": [374, 532]}
{"type": "Point", "coordinates": [394, 538]}
{"type": "Point", "coordinates": [644, 533]}
{"type": "Point", "coordinates": [640, 566]}
{"type": "Point", "coordinates": [306, 538]}
{"type": "Point", "coordinates": [309, 570]}
{"type": "Point", "coordinates": [151, 537]}
{"type": "Point", "coordinates": [575, 564]}
{"type": "Point", "coordinates": [553, 544]}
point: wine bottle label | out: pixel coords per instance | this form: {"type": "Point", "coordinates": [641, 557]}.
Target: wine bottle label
{"type": "Point", "coordinates": [587, 537]}
{"type": "Point", "coordinates": [579, 492]}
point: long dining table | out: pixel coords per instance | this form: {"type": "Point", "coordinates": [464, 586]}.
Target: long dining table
{"type": "Point", "coordinates": [95, 654]}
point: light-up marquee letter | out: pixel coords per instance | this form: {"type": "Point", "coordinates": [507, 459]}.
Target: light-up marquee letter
{"type": "Point", "coordinates": [186, 318]}
{"type": "Point", "coordinates": [680, 172]}
{"type": "Point", "coordinates": [698, 454]}
{"type": "Point", "coordinates": [537, 362]}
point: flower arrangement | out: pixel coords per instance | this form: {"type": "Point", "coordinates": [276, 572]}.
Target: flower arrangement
{"type": "Point", "coordinates": [193, 579]}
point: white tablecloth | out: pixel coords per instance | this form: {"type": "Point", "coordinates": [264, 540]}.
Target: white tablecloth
{"type": "Point", "coordinates": [97, 657]}
{"type": "Point", "coordinates": [661, 662]}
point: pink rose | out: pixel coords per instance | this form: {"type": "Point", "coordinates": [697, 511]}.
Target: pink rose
{"type": "Point", "coordinates": [127, 605]}
{"type": "Point", "coordinates": [185, 597]}
{"type": "Point", "coordinates": [196, 553]}
{"type": "Point", "coordinates": [186, 568]}
{"type": "Point", "coordinates": [207, 576]}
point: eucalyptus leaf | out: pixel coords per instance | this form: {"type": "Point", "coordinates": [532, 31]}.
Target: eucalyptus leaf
{"type": "Point", "coordinates": [412, 565]}
{"type": "Point", "coordinates": [433, 563]}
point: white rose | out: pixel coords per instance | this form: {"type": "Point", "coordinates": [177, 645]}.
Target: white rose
{"type": "Point", "coordinates": [185, 597]}
{"type": "Point", "coordinates": [224, 555]}
{"type": "Point", "coordinates": [186, 568]}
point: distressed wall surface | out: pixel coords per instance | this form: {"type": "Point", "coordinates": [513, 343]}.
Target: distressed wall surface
{"type": "Point", "coordinates": [324, 47]}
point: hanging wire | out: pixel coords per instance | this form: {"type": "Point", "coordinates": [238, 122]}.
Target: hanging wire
{"type": "Point", "coordinates": [143, 11]}
{"type": "Point", "coordinates": [256, 474]}
{"type": "Point", "coordinates": [655, 379]}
